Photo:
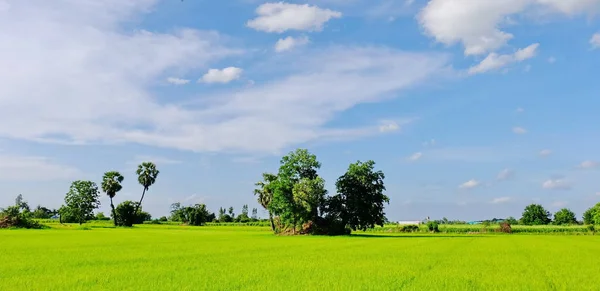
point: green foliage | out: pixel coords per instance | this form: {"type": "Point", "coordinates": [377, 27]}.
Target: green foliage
{"type": "Point", "coordinates": [564, 216]}
{"type": "Point", "coordinates": [359, 202]}
{"type": "Point", "coordinates": [101, 216]}
{"type": "Point", "coordinates": [433, 226]}
{"type": "Point", "coordinates": [129, 213]}
{"type": "Point", "coordinates": [111, 184]}
{"type": "Point", "coordinates": [535, 214]}
{"type": "Point", "coordinates": [82, 199]}
{"type": "Point", "coordinates": [147, 174]}
{"type": "Point", "coordinates": [592, 215]}
{"type": "Point", "coordinates": [193, 215]}
{"type": "Point", "coordinates": [264, 194]}
{"type": "Point", "coordinates": [18, 216]}
{"type": "Point", "coordinates": [512, 221]}
{"type": "Point", "coordinates": [41, 212]}
{"type": "Point", "coordinates": [297, 190]}
{"type": "Point", "coordinates": [409, 228]}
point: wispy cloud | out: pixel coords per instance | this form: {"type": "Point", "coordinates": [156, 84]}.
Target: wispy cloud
{"type": "Point", "coordinates": [557, 184]}
{"type": "Point", "coordinates": [469, 184]}
{"type": "Point", "coordinates": [588, 164]}
{"type": "Point", "coordinates": [415, 156]}
{"type": "Point", "coordinates": [505, 175]}
{"type": "Point", "coordinates": [519, 130]}
{"type": "Point", "coordinates": [33, 168]}
{"type": "Point", "coordinates": [501, 200]}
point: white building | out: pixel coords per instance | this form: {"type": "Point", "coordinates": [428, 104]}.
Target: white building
{"type": "Point", "coordinates": [408, 222]}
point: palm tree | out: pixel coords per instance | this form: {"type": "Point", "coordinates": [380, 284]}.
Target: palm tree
{"type": "Point", "coordinates": [111, 184]}
{"type": "Point", "coordinates": [265, 194]}
{"type": "Point", "coordinates": [147, 174]}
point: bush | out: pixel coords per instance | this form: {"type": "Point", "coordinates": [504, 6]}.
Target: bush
{"type": "Point", "coordinates": [505, 227]}
{"type": "Point", "coordinates": [409, 228]}
{"type": "Point", "coordinates": [433, 226]}
{"type": "Point", "coordinates": [126, 215]}
{"type": "Point", "coordinates": [591, 228]}
{"type": "Point", "coordinates": [163, 219]}
{"type": "Point", "coordinates": [13, 217]}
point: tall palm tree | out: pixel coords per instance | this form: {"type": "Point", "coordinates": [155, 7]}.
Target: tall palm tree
{"type": "Point", "coordinates": [264, 194]}
{"type": "Point", "coordinates": [147, 174]}
{"type": "Point", "coordinates": [111, 184]}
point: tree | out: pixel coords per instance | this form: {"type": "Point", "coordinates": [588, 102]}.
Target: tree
{"type": "Point", "coordinates": [111, 184]}
{"type": "Point", "coordinates": [296, 181]}
{"type": "Point", "coordinates": [147, 174]}
{"type": "Point", "coordinates": [592, 215]}
{"type": "Point", "coordinates": [82, 199]}
{"type": "Point", "coordinates": [360, 200]}
{"type": "Point", "coordinates": [535, 214]}
{"type": "Point", "coordinates": [564, 216]}
{"type": "Point", "coordinates": [129, 213]}
{"type": "Point", "coordinates": [193, 215]}
{"type": "Point", "coordinates": [18, 215]}
{"type": "Point", "coordinates": [254, 214]}
{"type": "Point", "coordinates": [264, 194]}
{"type": "Point", "coordinates": [230, 211]}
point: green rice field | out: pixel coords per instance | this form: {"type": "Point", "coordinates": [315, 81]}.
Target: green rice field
{"type": "Point", "coordinates": [169, 257]}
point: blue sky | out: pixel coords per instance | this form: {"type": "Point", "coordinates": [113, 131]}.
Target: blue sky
{"type": "Point", "coordinates": [473, 109]}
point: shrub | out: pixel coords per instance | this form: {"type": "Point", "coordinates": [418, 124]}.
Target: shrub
{"type": "Point", "coordinates": [164, 218]}
{"type": "Point", "coordinates": [591, 228]}
{"type": "Point", "coordinates": [126, 215]}
{"type": "Point", "coordinates": [13, 217]}
{"type": "Point", "coordinates": [409, 228]}
{"type": "Point", "coordinates": [433, 226]}
{"type": "Point", "coordinates": [505, 227]}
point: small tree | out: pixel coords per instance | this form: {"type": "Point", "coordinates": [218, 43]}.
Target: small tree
{"type": "Point", "coordinates": [17, 216]}
{"type": "Point", "coordinates": [535, 214]}
{"type": "Point", "coordinates": [564, 216]}
{"type": "Point", "coordinates": [82, 199]}
{"type": "Point", "coordinates": [433, 226]}
{"type": "Point", "coordinates": [129, 213]}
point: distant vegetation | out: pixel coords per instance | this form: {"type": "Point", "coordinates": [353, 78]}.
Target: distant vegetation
{"type": "Point", "coordinates": [294, 197]}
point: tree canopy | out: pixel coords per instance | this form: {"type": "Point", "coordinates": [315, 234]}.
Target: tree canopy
{"type": "Point", "coordinates": [564, 216]}
{"type": "Point", "coordinates": [535, 214]}
{"type": "Point", "coordinates": [81, 200]}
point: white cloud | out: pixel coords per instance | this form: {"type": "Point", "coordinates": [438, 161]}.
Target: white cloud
{"type": "Point", "coordinates": [288, 43]}
{"type": "Point", "coordinates": [556, 184]}
{"type": "Point", "coordinates": [519, 130]}
{"type": "Point", "coordinates": [505, 174]}
{"type": "Point", "coordinates": [595, 40]}
{"type": "Point", "coordinates": [545, 153]}
{"type": "Point", "coordinates": [415, 156]}
{"type": "Point", "coordinates": [520, 110]}
{"type": "Point", "coordinates": [280, 17]}
{"type": "Point", "coordinates": [177, 81]}
{"type": "Point", "coordinates": [495, 61]}
{"type": "Point", "coordinates": [469, 184]}
{"type": "Point", "coordinates": [429, 143]}
{"type": "Point", "coordinates": [117, 80]}
{"type": "Point", "coordinates": [477, 24]}
{"type": "Point", "coordinates": [501, 200]}
{"type": "Point", "coordinates": [588, 164]}
{"type": "Point", "coordinates": [551, 60]}
{"type": "Point", "coordinates": [25, 168]}
{"type": "Point", "coordinates": [389, 125]}
{"type": "Point", "coordinates": [223, 76]}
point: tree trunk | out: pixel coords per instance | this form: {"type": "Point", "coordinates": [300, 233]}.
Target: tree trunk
{"type": "Point", "coordinates": [137, 208]}
{"type": "Point", "coordinates": [114, 213]}
{"type": "Point", "coordinates": [271, 220]}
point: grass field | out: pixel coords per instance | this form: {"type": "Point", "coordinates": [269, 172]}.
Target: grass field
{"type": "Point", "coordinates": [166, 257]}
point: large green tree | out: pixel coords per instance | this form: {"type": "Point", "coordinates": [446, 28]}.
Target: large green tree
{"type": "Point", "coordinates": [360, 198]}
{"type": "Point", "coordinates": [111, 184]}
{"type": "Point", "coordinates": [129, 213]}
{"type": "Point", "coordinates": [193, 215]}
{"type": "Point", "coordinates": [294, 190]}
{"type": "Point", "coordinates": [264, 194]}
{"type": "Point", "coordinates": [82, 199]}
{"type": "Point", "coordinates": [147, 174]}
{"type": "Point", "coordinates": [535, 214]}
{"type": "Point", "coordinates": [592, 215]}
{"type": "Point", "coordinates": [564, 216]}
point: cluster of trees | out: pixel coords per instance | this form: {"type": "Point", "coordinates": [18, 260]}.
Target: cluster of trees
{"type": "Point", "coordinates": [20, 215]}
{"type": "Point", "coordinates": [84, 197]}
{"type": "Point", "coordinates": [297, 200]}
{"type": "Point", "coordinates": [198, 214]}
